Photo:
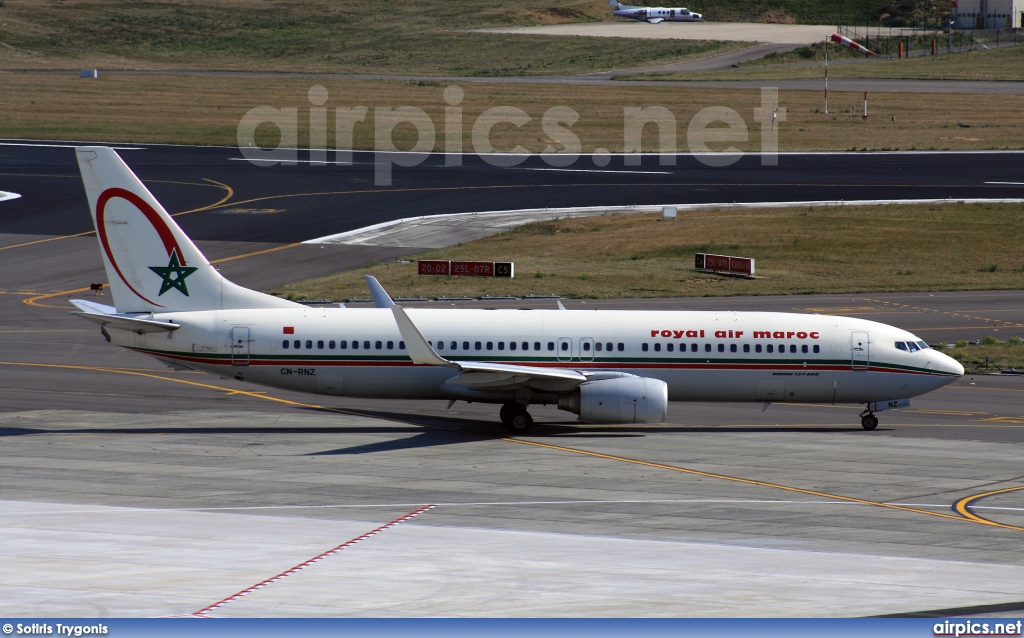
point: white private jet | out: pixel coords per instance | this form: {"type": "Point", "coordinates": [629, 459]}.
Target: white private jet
{"type": "Point", "coordinates": [654, 15]}
{"type": "Point", "coordinates": [606, 366]}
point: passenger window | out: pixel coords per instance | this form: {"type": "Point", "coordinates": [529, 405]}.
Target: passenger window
{"type": "Point", "coordinates": [817, 349]}
{"type": "Point", "coordinates": [536, 345]}
{"type": "Point", "coordinates": [732, 347]}
{"type": "Point", "coordinates": [746, 347]}
{"type": "Point", "coordinates": [320, 345]}
{"type": "Point", "coordinates": [565, 346]}
{"type": "Point", "coordinates": [657, 347]}
{"type": "Point", "coordinates": [644, 347]}
{"type": "Point", "coordinates": [401, 345]}
{"type": "Point", "coordinates": [453, 345]}
{"type": "Point", "coordinates": [693, 347]}
{"type": "Point", "coordinates": [490, 345]}
{"type": "Point", "coordinates": [440, 345]}
{"type": "Point", "coordinates": [343, 345]}
{"type": "Point", "coordinates": [598, 346]}
{"type": "Point", "coordinates": [378, 345]}
{"type": "Point", "coordinates": [366, 345]}
{"type": "Point", "coordinates": [465, 345]}
{"type": "Point", "coordinates": [309, 344]}
{"type": "Point", "coordinates": [669, 347]}
{"type": "Point", "coordinates": [792, 348]}
{"type": "Point", "coordinates": [355, 345]}
{"type": "Point", "coordinates": [330, 344]}
{"type": "Point", "coordinates": [901, 346]}
{"type": "Point", "coordinates": [622, 347]}
{"type": "Point", "coordinates": [391, 345]}
{"type": "Point", "coordinates": [526, 345]}
{"type": "Point", "coordinates": [501, 345]}
{"type": "Point", "coordinates": [782, 347]}
{"type": "Point", "coordinates": [284, 344]}
{"type": "Point", "coordinates": [757, 348]}
{"type": "Point", "coordinates": [771, 348]}
{"type": "Point", "coordinates": [707, 347]}
{"type": "Point", "coordinates": [586, 346]}
{"type": "Point", "coordinates": [803, 349]}
{"type": "Point", "coordinates": [511, 345]}
{"type": "Point", "coordinates": [297, 344]}
{"type": "Point", "coordinates": [478, 345]}
{"type": "Point", "coordinates": [721, 347]}
{"type": "Point", "coordinates": [610, 346]}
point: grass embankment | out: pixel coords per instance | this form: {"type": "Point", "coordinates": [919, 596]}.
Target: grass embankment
{"type": "Point", "coordinates": [427, 37]}
{"type": "Point", "coordinates": [996, 64]}
{"type": "Point", "coordinates": [801, 251]}
{"type": "Point", "coordinates": [205, 110]}
{"type": "Point", "coordinates": [988, 356]}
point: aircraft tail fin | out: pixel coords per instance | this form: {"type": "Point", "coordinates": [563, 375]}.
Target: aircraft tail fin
{"type": "Point", "coordinates": [151, 264]}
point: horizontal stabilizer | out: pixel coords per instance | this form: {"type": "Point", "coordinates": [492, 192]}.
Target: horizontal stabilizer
{"type": "Point", "coordinates": [108, 316]}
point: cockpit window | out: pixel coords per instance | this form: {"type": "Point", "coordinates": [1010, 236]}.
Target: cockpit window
{"type": "Point", "coordinates": [901, 345]}
{"type": "Point", "coordinates": [922, 345]}
{"type": "Point", "coordinates": [911, 346]}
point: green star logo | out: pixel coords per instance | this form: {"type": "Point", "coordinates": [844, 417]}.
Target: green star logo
{"type": "Point", "coordinates": [173, 275]}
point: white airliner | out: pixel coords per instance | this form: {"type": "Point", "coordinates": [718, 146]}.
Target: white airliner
{"type": "Point", "coordinates": [607, 366]}
{"type": "Point", "coordinates": [654, 15]}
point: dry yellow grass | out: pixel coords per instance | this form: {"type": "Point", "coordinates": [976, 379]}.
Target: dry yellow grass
{"type": "Point", "coordinates": [206, 110]}
{"type": "Point", "coordinates": [800, 251]}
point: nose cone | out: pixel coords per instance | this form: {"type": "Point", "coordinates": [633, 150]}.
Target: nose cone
{"type": "Point", "coordinates": [948, 365]}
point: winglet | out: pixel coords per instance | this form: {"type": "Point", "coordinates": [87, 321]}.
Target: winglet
{"type": "Point", "coordinates": [381, 298]}
{"type": "Point", "coordinates": [420, 351]}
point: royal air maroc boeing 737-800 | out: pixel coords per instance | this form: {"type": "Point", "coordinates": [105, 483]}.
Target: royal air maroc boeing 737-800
{"type": "Point", "coordinates": [607, 366]}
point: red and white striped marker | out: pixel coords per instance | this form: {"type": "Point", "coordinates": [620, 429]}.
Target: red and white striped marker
{"type": "Point", "coordinates": [847, 42]}
{"type": "Point", "coordinates": [334, 550]}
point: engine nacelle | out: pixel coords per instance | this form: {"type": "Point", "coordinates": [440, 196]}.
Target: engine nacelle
{"type": "Point", "coordinates": [620, 400]}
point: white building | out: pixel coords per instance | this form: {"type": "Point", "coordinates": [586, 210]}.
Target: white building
{"type": "Point", "coordinates": [988, 14]}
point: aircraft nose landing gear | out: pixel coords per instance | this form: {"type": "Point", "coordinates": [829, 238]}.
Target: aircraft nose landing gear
{"type": "Point", "coordinates": [868, 421]}
{"type": "Point", "coordinates": [516, 419]}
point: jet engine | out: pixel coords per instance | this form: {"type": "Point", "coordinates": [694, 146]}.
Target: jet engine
{"type": "Point", "coordinates": [619, 400]}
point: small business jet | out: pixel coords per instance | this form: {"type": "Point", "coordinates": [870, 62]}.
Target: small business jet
{"type": "Point", "coordinates": [606, 366]}
{"type": "Point", "coordinates": [654, 15]}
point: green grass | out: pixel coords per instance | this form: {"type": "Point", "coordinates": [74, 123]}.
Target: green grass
{"type": "Point", "coordinates": [996, 64]}
{"type": "Point", "coordinates": [427, 37]}
{"type": "Point", "coordinates": [799, 251]}
{"type": "Point", "coordinates": [989, 355]}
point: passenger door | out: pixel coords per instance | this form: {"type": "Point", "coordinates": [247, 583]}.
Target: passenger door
{"type": "Point", "coordinates": [860, 350]}
{"type": "Point", "coordinates": [240, 345]}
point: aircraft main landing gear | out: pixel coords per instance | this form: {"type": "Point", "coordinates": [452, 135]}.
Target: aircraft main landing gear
{"type": "Point", "coordinates": [868, 421]}
{"type": "Point", "coordinates": [516, 419]}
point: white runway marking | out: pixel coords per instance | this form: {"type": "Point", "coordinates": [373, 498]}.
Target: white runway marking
{"type": "Point", "coordinates": [6, 196]}
{"type": "Point", "coordinates": [597, 170]}
{"type": "Point", "coordinates": [73, 145]}
{"type": "Point", "coordinates": [1007, 183]}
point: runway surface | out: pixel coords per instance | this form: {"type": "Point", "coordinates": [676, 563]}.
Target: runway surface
{"type": "Point", "coordinates": [218, 197]}
{"type": "Point", "coordinates": [128, 489]}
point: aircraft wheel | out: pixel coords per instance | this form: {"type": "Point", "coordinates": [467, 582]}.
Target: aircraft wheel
{"type": "Point", "coordinates": [520, 423]}
{"type": "Point", "coordinates": [869, 422]}
{"type": "Point", "coordinates": [508, 411]}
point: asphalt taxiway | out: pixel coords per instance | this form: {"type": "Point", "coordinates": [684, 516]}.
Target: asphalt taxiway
{"type": "Point", "coordinates": [129, 489]}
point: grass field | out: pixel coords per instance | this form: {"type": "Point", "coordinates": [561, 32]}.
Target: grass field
{"type": "Point", "coordinates": [798, 251]}
{"type": "Point", "coordinates": [427, 37]}
{"type": "Point", "coordinates": [996, 64]}
{"type": "Point", "coordinates": [989, 355]}
{"type": "Point", "coordinates": [206, 110]}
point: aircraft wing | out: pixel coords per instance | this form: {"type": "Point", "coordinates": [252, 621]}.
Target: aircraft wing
{"type": "Point", "coordinates": [656, 20]}
{"type": "Point", "coordinates": [479, 374]}
{"type": "Point", "coordinates": [108, 315]}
